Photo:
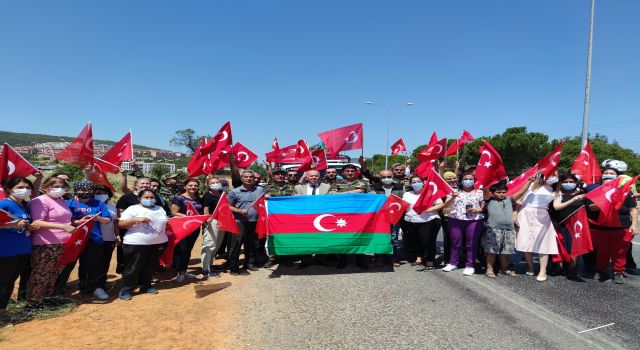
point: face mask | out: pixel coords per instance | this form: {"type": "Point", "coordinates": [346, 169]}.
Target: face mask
{"type": "Point", "coordinates": [215, 186]}
{"type": "Point", "coordinates": [262, 184]}
{"type": "Point", "coordinates": [57, 192]}
{"type": "Point", "coordinates": [21, 193]}
{"type": "Point", "coordinates": [87, 195]}
{"type": "Point", "coordinates": [569, 186]}
{"type": "Point", "coordinates": [468, 183]}
{"type": "Point", "coordinates": [148, 202]}
{"type": "Point", "coordinates": [417, 186]}
{"type": "Point", "coordinates": [608, 176]}
{"type": "Point", "coordinates": [225, 188]}
{"type": "Point", "coordinates": [387, 181]}
{"type": "Point", "coordinates": [551, 181]}
{"type": "Point", "coordinates": [102, 197]}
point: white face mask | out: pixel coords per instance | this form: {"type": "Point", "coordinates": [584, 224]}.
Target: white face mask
{"type": "Point", "coordinates": [216, 186]}
{"type": "Point", "coordinates": [57, 192]}
{"type": "Point", "coordinates": [21, 193]}
{"type": "Point", "coordinates": [102, 197]}
{"type": "Point", "coordinates": [386, 181]}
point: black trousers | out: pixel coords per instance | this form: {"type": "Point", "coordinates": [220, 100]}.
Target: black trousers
{"type": "Point", "coordinates": [120, 254]}
{"type": "Point", "coordinates": [91, 265]}
{"type": "Point", "coordinates": [63, 278]}
{"type": "Point", "coordinates": [427, 234]}
{"type": "Point", "coordinates": [631, 264]}
{"type": "Point", "coordinates": [182, 251]}
{"type": "Point", "coordinates": [246, 237]}
{"type": "Point", "coordinates": [10, 269]}
{"type": "Point", "coordinates": [107, 251]}
{"type": "Point", "coordinates": [446, 240]}
{"type": "Point", "coordinates": [24, 281]}
{"type": "Point", "coordinates": [141, 262]}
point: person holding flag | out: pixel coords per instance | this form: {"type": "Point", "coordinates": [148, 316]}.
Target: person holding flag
{"type": "Point", "coordinates": [84, 206]}
{"type": "Point", "coordinates": [536, 233]}
{"type": "Point", "coordinates": [53, 217]}
{"type": "Point", "coordinates": [465, 223]}
{"type": "Point", "coordinates": [421, 229]}
{"type": "Point", "coordinates": [15, 240]}
{"type": "Point", "coordinates": [109, 232]}
{"type": "Point", "coordinates": [613, 228]}
{"type": "Point", "coordinates": [143, 243]}
{"type": "Point", "coordinates": [212, 237]}
{"type": "Point", "coordinates": [386, 185]}
{"type": "Point", "coordinates": [182, 253]}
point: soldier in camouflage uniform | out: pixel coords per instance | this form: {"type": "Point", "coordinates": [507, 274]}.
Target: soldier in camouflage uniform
{"type": "Point", "coordinates": [171, 186]}
{"type": "Point", "coordinates": [330, 176]}
{"type": "Point", "coordinates": [351, 184]}
{"type": "Point", "coordinates": [277, 188]}
{"type": "Point", "coordinates": [400, 175]}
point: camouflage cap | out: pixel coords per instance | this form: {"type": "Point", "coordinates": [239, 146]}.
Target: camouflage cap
{"type": "Point", "coordinates": [169, 176]}
{"type": "Point", "coordinates": [278, 170]}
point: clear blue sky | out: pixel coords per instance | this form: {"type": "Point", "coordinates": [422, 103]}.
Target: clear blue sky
{"type": "Point", "coordinates": [295, 68]}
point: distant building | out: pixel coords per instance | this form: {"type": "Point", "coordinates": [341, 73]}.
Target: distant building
{"type": "Point", "coordinates": [147, 166]}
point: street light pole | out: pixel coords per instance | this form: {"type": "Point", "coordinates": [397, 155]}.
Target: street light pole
{"type": "Point", "coordinates": [587, 89]}
{"type": "Point", "coordinates": [388, 109]}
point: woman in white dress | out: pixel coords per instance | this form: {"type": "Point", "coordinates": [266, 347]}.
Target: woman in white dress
{"type": "Point", "coordinates": [536, 233]}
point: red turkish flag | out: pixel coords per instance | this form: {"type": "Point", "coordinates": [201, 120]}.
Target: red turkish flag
{"type": "Point", "coordinates": [605, 198]}
{"type": "Point", "coordinates": [224, 216]}
{"type": "Point", "coordinates": [80, 150]}
{"type": "Point", "coordinates": [549, 163]}
{"type": "Point", "coordinates": [516, 184]}
{"type": "Point", "coordinates": [434, 188]}
{"type": "Point", "coordinates": [424, 169]}
{"type": "Point", "coordinates": [106, 166]}
{"type": "Point", "coordinates": [465, 137]}
{"type": "Point", "coordinates": [302, 150]}
{"type": "Point", "coordinates": [586, 166]}
{"type": "Point", "coordinates": [13, 165]}
{"type": "Point", "coordinates": [178, 228]}
{"type": "Point", "coordinates": [219, 141]}
{"type": "Point", "coordinates": [197, 164]}
{"type": "Point", "coordinates": [275, 146]}
{"type": "Point", "coordinates": [218, 160]}
{"type": "Point", "coordinates": [393, 209]}
{"type": "Point", "coordinates": [398, 147]}
{"type": "Point", "coordinates": [98, 176]}
{"type": "Point", "coordinates": [262, 228]}
{"type": "Point", "coordinates": [578, 226]}
{"type": "Point", "coordinates": [190, 210]}
{"type": "Point", "coordinates": [243, 156]}
{"type": "Point", "coordinates": [121, 151]}
{"type": "Point", "coordinates": [490, 168]}
{"type": "Point", "coordinates": [433, 140]}
{"type": "Point", "coordinates": [283, 155]}
{"type": "Point", "coordinates": [318, 157]}
{"type": "Point", "coordinates": [5, 217]}
{"type": "Point", "coordinates": [453, 148]}
{"type": "Point", "coordinates": [434, 151]}
{"type": "Point", "coordinates": [74, 246]}
{"type": "Point", "coordinates": [343, 139]}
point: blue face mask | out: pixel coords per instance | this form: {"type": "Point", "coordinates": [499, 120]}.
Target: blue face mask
{"type": "Point", "coordinates": [468, 183]}
{"type": "Point", "coordinates": [417, 186]}
{"type": "Point", "coordinates": [552, 180]}
{"type": "Point", "coordinates": [608, 176]}
{"type": "Point", "coordinates": [148, 202]}
{"type": "Point", "coordinates": [569, 186]}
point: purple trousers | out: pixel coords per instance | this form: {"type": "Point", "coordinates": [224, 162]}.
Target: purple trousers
{"type": "Point", "coordinates": [470, 231]}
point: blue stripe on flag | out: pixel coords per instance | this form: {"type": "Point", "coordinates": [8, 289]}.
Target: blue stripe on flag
{"type": "Point", "coordinates": [336, 203]}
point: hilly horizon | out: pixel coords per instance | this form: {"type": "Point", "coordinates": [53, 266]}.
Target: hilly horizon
{"type": "Point", "coordinates": [27, 139]}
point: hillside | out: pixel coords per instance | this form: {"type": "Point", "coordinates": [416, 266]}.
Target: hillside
{"type": "Point", "coordinates": [24, 139]}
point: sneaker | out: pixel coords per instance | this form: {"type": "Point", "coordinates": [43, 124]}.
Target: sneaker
{"type": "Point", "coordinates": [190, 276]}
{"type": "Point", "coordinates": [449, 268]}
{"type": "Point", "coordinates": [269, 264]}
{"type": "Point", "coordinates": [618, 278]}
{"type": "Point", "coordinates": [180, 279]}
{"type": "Point", "coordinates": [125, 295]}
{"type": "Point", "coordinates": [214, 274]}
{"type": "Point", "coordinates": [149, 290]}
{"type": "Point", "coordinates": [469, 271]}
{"type": "Point", "coordinates": [251, 267]}
{"type": "Point", "coordinates": [541, 278]}
{"type": "Point", "coordinates": [239, 273]}
{"type": "Point", "coordinates": [100, 294]}
{"type": "Point", "coordinates": [205, 275]}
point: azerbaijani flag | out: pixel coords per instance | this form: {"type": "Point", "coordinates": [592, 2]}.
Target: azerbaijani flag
{"type": "Point", "coordinates": [330, 224]}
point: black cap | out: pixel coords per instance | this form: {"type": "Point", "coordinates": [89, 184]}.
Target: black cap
{"type": "Point", "coordinates": [352, 166]}
{"type": "Point", "coordinates": [278, 170]}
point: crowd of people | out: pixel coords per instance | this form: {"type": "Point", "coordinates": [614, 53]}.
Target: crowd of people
{"type": "Point", "coordinates": [482, 229]}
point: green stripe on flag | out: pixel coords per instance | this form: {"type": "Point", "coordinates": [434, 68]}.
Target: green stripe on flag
{"type": "Point", "coordinates": [330, 243]}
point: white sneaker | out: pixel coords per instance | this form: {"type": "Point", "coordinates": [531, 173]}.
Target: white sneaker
{"type": "Point", "coordinates": [180, 279]}
{"type": "Point", "coordinates": [100, 294]}
{"type": "Point", "coordinates": [469, 271]}
{"type": "Point", "coordinates": [449, 268]}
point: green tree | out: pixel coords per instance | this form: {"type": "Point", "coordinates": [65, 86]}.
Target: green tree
{"type": "Point", "coordinates": [75, 172]}
{"type": "Point", "coordinates": [258, 168]}
{"type": "Point", "coordinates": [158, 170]}
{"type": "Point", "coordinates": [186, 138]}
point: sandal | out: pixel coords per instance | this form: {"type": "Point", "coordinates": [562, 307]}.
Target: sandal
{"type": "Point", "coordinates": [509, 273]}
{"type": "Point", "coordinates": [490, 274]}
{"type": "Point", "coordinates": [429, 266]}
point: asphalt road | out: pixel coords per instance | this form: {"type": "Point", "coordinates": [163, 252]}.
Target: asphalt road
{"type": "Point", "coordinates": [323, 308]}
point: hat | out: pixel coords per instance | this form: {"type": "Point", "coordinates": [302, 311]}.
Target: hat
{"type": "Point", "coordinates": [617, 165]}
{"type": "Point", "coordinates": [350, 166]}
{"type": "Point", "coordinates": [169, 176]}
{"type": "Point", "coordinates": [83, 185]}
{"type": "Point", "coordinates": [278, 170]}
{"type": "Point", "coordinates": [449, 174]}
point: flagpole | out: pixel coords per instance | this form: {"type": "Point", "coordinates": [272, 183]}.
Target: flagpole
{"type": "Point", "coordinates": [587, 90]}
{"type": "Point", "coordinates": [388, 109]}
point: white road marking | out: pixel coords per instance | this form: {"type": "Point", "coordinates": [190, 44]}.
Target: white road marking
{"type": "Point", "coordinates": [593, 329]}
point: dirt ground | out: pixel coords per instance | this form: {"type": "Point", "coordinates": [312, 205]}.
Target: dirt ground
{"type": "Point", "coordinates": [194, 315]}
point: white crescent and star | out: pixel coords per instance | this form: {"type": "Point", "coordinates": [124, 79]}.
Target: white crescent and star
{"type": "Point", "coordinates": [554, 158]}
{"type": "Point", "coordinates": [184, 225]}
{"type": "Point", "coordinates": [88, 144]}
{"type": "Point", "coordinates": [11, 166]}
{"type": "Point", "coordinates": [225, 135]}
{"type": "Point", "coordinates": [353, 137]}
{"type": "Point", "coordinates": [301, 150]}
{"type": "Point", "coordinates": [393, 205]}
{"type": "Point", "coordinates": [434, 186]}
{"type": "Point", "coordinates": [608, 194]}
{"type": "Point", "coordinates": [487, 153]}
{"type": "Point", "coordinates": [576, 230]}
{"type": "Point", "coordinates": [316, 159]}
{"type": "Point", "coordinates": [318, 226]}
{"type": "Point", "coordinates": [246, 156]}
